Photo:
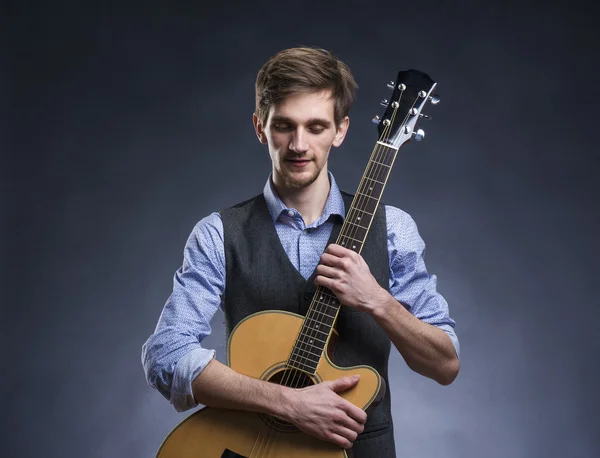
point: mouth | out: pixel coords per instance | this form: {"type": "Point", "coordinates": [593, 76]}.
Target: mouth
{"type": "Point", "coordinates": [298, 162]}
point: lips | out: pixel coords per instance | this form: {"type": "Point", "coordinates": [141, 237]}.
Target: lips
{"type": "Point", "coordinates": [298, 162]}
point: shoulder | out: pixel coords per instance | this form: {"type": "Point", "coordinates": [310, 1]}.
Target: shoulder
{"type": "Point", "coordinates": [242, 208]}
{"type": "Point", "coordinates": [402, 230]}
{"type": "Point", "coordinates": [209, 230]}
{"type": "Point", "coordinates": [399, 220]}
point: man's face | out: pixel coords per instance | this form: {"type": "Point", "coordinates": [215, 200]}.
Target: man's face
{"type": "Point", "coordinates": [299, 132]}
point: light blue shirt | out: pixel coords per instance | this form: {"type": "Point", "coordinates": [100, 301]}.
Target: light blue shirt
{"type": "Point", "coordinates": [173, 356]}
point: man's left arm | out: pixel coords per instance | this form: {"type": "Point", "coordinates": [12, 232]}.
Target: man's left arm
{"type": "Point", "coordinates": [421, 335]}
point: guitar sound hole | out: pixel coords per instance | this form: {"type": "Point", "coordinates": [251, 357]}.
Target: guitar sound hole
{"type": "Point", "coordinates": [294, 379]}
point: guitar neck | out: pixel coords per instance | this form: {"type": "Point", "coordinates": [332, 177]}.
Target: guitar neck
{"type": "Point", "coordinates": [411, 91]}
{"type": "Point", "coordinates": [325, 306]}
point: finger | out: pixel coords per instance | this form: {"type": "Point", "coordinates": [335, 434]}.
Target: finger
{"type": "Point", "coordinates": [340, 440]}
{"type": "Point", "coordinates": [350, 423]}
{"type": "Point", "coordinates": [329, 272]}
{"type": "Point", "coordinates": [355, 413]}
{"type": "Point", "coordinates": [331, 260]}
{"type": "Point", "coordinates": [344, 383]}
{"type": "Point", "coordinates": [321, 280]}
{"type": "Point", "coordinates": [338, 250]}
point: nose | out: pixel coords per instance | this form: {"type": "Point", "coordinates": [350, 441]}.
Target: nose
{"type": "Point", "coordinates": [299, 143]}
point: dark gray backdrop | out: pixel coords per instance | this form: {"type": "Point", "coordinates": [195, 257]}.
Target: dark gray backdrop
{"type": "Point", "coordinates": [128, 126]}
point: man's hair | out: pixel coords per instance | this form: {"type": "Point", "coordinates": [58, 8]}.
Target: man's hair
{"type": "Point", "coordinates": [304, 70]}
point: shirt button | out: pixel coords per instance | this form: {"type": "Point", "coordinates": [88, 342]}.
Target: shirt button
{"type": "Point", "coordinates": [290, 213]}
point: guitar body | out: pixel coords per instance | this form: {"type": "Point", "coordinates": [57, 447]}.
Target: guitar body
{"type": "Point", "coordinates": [222, 433]}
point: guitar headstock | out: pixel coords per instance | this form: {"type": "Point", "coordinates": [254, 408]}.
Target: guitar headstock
{"type": "Point", "coordinates": [411, 91]}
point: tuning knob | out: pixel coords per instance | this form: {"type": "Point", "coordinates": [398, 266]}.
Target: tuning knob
{"type": "Point", "coordinates": [424, 116]}
{"type": "Point", "coordinates": [419, 135]}
{"type": "Point", "coordinates": [391, 85]}
{"type": "Point", "coordinates": [384, 102]}
{"type": "Point", "coordinates": [434, 99]}
{"type": "Point", "coordinates": [376, 119]}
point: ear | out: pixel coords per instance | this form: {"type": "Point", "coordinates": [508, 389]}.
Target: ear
{"type": "Point", "coordinates": [341, 132]}
{"type": "Point", "coordinates": [259, 128]}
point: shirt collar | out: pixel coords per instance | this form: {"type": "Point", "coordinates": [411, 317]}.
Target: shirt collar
{"type": "Point", "coordinates": [333, 206]}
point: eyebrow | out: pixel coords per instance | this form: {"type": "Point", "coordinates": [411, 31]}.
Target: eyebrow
{"type": "Point", "coordinates": [279, 118]}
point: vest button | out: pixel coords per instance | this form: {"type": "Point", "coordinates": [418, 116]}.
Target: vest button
{"type": "Point", "coordinates": [308, 295]}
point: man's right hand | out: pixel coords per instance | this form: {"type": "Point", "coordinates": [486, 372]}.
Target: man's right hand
{"type": "Point", "coordinates": [319, 411]}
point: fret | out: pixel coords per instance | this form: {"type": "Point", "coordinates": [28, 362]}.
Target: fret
{"type": "Point", "coordinates": [325, 319]}
{"type": "Point", "coordinates": [298, 368]}
{"type": "Point", "coordinates": [364, 211]}
{"type": "Point", "coordinates": [371, 187]}
{"type": "Point", "coordinates": [369, 205]}
{"type": "Point", "coordinates": [367, 195]}
{"type": "Point", "coordinates": [350, 223]}
{"type": "Point", "coordinates": [385, 155]}
{"type": "Point", "coordinates": [327, 305]}
{"type": "Point", "coordinates": [358, 232]}
{"type": "Point", "coordinates": [352, 238]}
{"type": "Point", "coordinates": [316, 321]}
{"type": "Point", "coordinates": [303, 335]}
{"type": "Point", "coordinates": [375, 181]}
{"type": "Point", "coordinates": [354, 246]}
{"type": "Point", "coordinates": [377, 172]}
{"type": "Point", "coordinates": [325, 292]}
{"type": "Point", "coordinates": [318, 355]}
{"type": "Point", "coordinates": [380, 163]}
{"type": "Point", "coordinates": [318, 330]}
{"type": "Point", "coordinates": [308, 346]}
{"type": "Point", "coordinates": [354, 216]}
{"type": "Point", "coordinates": [304, 357]}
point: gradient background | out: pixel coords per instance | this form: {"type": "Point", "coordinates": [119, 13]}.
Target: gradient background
{"type": "Point", "coordinates": [126, 126]}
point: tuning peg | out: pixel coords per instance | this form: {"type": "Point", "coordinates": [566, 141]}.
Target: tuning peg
{"type": "Point", "coordinates": [419, 135]}
{"type": "Point", "coordinates": [424, 116]}
{"type": "Point", "coordinates": [391, 85]}
{"type": "Point", "coordinates": [384, 102]}
{"type": "Point", "coordinates": [376, 119]}
{"type": "Point", "coordinates": [434, 99]}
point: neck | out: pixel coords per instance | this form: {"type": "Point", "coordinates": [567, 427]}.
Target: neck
{"type": "Point", "coordinates": [309, 200]}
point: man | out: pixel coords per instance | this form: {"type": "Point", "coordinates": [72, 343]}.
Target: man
{"type": "Point", "coordinates": [303, 97]}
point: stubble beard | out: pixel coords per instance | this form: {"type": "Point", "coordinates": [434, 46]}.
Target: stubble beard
{"type": "Point", "coordinates": [298, 182]}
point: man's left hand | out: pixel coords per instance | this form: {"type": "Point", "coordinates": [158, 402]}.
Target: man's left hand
{"type": "Point", "coordinates": [346, 273]}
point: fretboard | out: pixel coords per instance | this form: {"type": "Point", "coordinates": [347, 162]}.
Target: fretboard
{"type": "Point", "coordinates": [324, 308]}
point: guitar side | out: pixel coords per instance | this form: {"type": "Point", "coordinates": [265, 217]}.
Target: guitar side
{"type": "Point", "coordinates": [259, 347]}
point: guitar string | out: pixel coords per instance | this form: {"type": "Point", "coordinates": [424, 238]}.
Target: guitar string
{"type": "Point", "coordinates": [362, 197]}
{"type": "Point", "coordinates": [376, 165]}
{"type": "Point", "coordinates": [359, 199]}
{"type": "Point", "coordinates": [317, 308]}
{"type": "Point", "coordinates": [325, 292]}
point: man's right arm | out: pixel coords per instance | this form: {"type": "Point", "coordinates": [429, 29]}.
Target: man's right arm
{"type": "Point", "coordinates": [186, 373]}
{"type": "Point", "coordinates": [317, 410]}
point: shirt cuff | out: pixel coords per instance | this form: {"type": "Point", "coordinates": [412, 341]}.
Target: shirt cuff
{"type": "Point", "coordinates": [450, 331]}
{"type": "Point", "coordinates": [186, 370]}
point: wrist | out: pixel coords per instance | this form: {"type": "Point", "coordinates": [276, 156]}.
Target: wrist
{"type": "Point", "coordinates": [286, 400]}
{"type": "Point", "coordinates": [381, 303]}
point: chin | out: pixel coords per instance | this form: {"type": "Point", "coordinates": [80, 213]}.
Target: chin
{"type": "Point", "coordinates": [297, 181]}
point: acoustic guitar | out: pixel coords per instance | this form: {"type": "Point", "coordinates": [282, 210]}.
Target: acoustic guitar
{"type": "Point", "coordinates": [302, 355]}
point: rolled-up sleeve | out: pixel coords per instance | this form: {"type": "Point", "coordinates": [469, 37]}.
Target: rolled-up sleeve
{"type": "Point", "coordinates": [410, 283]}
{"type": "Point", "coordinates": [173, 355]}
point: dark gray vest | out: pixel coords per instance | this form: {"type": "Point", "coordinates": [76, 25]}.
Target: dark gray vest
{"type": "Point", "coordinates": [260, 276]}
